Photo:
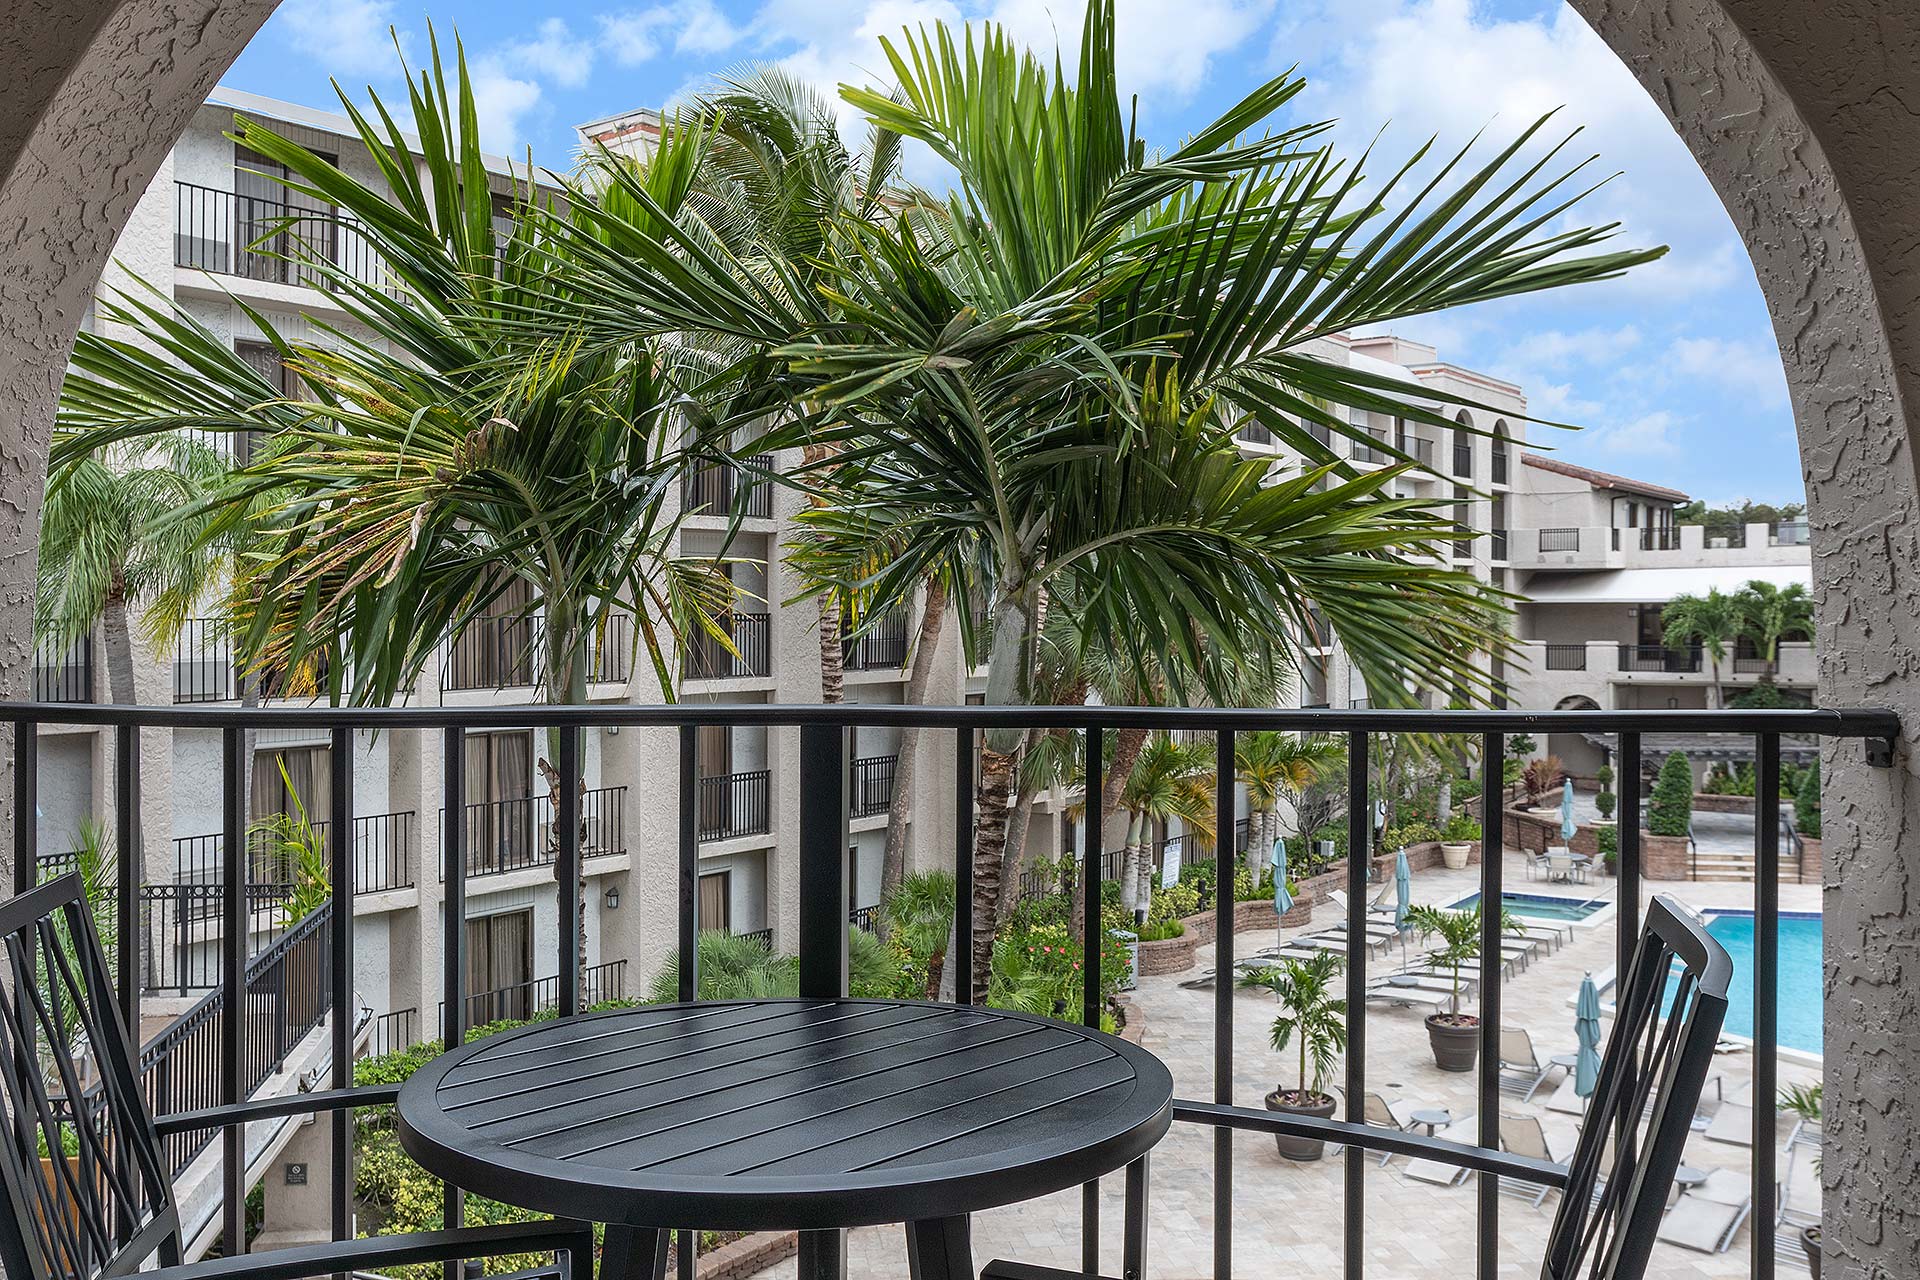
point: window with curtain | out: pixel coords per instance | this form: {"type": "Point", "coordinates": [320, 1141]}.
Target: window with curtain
{"type": "Point", "coordinates": [716, 900]}
{"type": "Point", "coordinates": [288, 781]}
{"type": "Point", "coordinates": [265, 241]}
{"type": "Point", "coordinates": [500, 820]}
{"type": "Point", "coordinates": [500, 967]}
{"type": "Point", "coordinates": [496, 648]}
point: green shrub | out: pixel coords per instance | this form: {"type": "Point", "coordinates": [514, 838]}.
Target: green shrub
{"type": "Point", "coordinates": [1609, 840]}
{"type": "Point", "coordinates": [1604, 803]}
{"type": "Point", "coordinates": [1461, 828]}
{"type": "Point", "coordinates": [1604, 776]}
{"type": "Point", "coordinates": [1806, 804]}
{"type": "Point", "coordinates": [1160, 930]}
{"type": "Point", "coordinates": [1182, 899]}
{"type": "Point", "coordinates": [1402, 834]}
{"type": "Point", "coordinates": [1670, 812]}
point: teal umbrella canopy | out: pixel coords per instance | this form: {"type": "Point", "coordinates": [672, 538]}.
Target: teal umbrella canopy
{"type": "Point", "coordinates": [1566, 811]}
{"type": "Point", "coordinates": [1402, 891]}
{"type": "Point", "coordinates": [1282, 900]}
{"type": "Point", "coordinates": [1586, 1029]}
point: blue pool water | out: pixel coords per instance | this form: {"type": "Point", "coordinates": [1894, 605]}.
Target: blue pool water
{"type": "Point", "coordinates": [1800, 980]}
{"type": "Point", "coordinates": [1540, 906]}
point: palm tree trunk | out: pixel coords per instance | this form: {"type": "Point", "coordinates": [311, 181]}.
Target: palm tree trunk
{"type": "Point", "coordinates": [833, 658]}
{"type": "Point", "coordinates": [1129, 863]}
{"type": "Point", "coordinates": [893, 861]}
{"type": "Point", "coordinates": [1127, 746]}
{"type": "Point", "coordinates": [1009, 683]}
{"type": "Point", "coordinates": [566, 685]}
{"type": "Point", "coordinates": [1017, 827]}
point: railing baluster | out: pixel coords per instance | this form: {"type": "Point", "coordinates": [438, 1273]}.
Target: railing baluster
{"type": "Point", "coordinates": [1223, 932]}
{"type": "Point", "coordinates": [128, 860]}
{"type": "Point", "coordinates": [961, 953]}
{"type": "Point", "coordinates": [823, 921]}
{"type": "Point", "coordinates": [567, 868]}
{"type": "Point", "coordinates": [340, 870]}
{"type": "Point", "coordinates": [1766, 997]}
{"type": "Point", "coordinates": [1359, 857]}
{"type": "Point", "coordinates": [1095, 784]}
{"type": "Point", "coordinates": [453, 932]}
{"type": "Point", "coordinates": [688, 916]}
{"type": "Point", "coordinates": [1492, 933]}
{"type": "Point", "coordinates": [26, 804]}
{"type": "Point", "coordinates": [1627, 860]}
{"type": "Point", "coordinates": [233, 991]}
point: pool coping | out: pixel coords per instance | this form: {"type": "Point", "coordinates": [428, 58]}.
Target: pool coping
{"type": "Point", "coordinates": [1606, 914]}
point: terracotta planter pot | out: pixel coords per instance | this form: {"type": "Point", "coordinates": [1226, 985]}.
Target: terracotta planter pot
{"type": "Point", "coordinates": [1295, 1148]}
{"type": "Point", "coordinates": [1455, 855]}
{"type": "Point", "coordinates": [1810, 1241]}
{"type": "Point", "coordinates": [1455, 1048]}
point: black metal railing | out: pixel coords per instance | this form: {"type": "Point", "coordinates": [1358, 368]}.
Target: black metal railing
{"type": "Point", "coordinates": [709, 659]}
{"type": "Point", "coordinates": [523, 1000]}
{"type": "Point", "coordinates": [821, 866]}
{"type": "Point", "coordinates": [722, 488]}
{"type": "Point", "coordinates": [872, 785]}
{"type": "Point", "coordinates": [734, 804]}
{"type": "Point", "coordinates": [1253, 433]}
{"type": "Point", "coordinates": [1558, 540]}
{"type": "Point", "coordinates": [1659, 658]}
{"type": "Point", "coordinates": [762, 936]}
{"type": "Point", "coordinates": [493, 653]}
{"type": "Point", "coordinates": [864, 918]}
{"type": "Point", "coordinates": [285, 995]}
{"type": "Point", "coordinates": [610, 651]}
{"type": "Point", "coordinates": [1659, 538]}
{"type": "Point", "coordinates": [64, 675]}
{"type": "Point", "coordinates": [1421, 448]}
{"type": "Point", "coordinates": [1462, 453]}
{"type": "Point", "coordinates": [881, 647]}
{"type": "Point", "coordinates": [203, 669]}
{"type": "Point", "coordinates": [182, 928]}
{"type": "Point", "coordinates": [264, 239]}
{"type": "Point", "coordinates": [1497, 544]}
{"type": "Point", "coordinates": [1566, 657]}
{"type": "Point", "coordinates": [1363, 452]}
{"type": "Point", "coordinates": [393, 1032]}
{"type": "Point", "coordinates": [517, 833]}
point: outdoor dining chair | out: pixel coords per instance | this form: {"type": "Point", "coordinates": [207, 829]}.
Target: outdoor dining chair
{"type": "Point", "coordinates": [106, 1206]}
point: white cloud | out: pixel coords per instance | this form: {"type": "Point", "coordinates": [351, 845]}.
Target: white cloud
{"type": "Point", "coordinates": [1750, 369]}
{"type": "Point", "coordinates": [1647, 436]}
{"type": "Point", "coordinates": [556, 53]}
{"type": "Point", "coordinates": [346, 37]}
{"type": "Point", "coordinates": [704, 29]}
{"type": "Point", "coordinates": [634, 36]}
{"type": "Point", "coordinates": [1555, 349]}
{"type": "Point", "coordinates": [501, 100]}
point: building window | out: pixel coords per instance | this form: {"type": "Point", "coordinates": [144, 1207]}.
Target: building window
{"type": "Point", "coordinates": [500, 967]}
{"type": "Point", "coordinates": [1500, 453]}
{"type": "Point", "coordinates": [275, 225]}
{"type": "Point", "coordinates": [1462, 547]}
{"type": "Point", "coordinates": [1463, 447]}
{"type": "Point", "coordinates": [716, 901]}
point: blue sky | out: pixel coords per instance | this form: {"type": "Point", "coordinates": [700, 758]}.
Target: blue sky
{"type": "Point", "coordinates": [1673, 372]}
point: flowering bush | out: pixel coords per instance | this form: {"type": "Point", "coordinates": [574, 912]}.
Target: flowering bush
{"type": "Point", "coordinates": [1461, 828]}
{"type": "Point", "coordinates": [1414, 831]}
{"type": "Point", "coordinates": [1182, 899]}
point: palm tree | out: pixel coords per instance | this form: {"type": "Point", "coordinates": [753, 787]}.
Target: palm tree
{"type": "Point", "coordinates": [1311, 1017]}
{"type": "Point", "coordinates": [1041, 391]}
{"type": "Point", "coordinates": [926, 643]}
{"type": "Point", "coordinates": [1770, 613]}
{"type": "Point", "coordinates": [1171, 780]}
{"type": "Point", "coordinates": [919, 915]}
{"type": "Point", "coordinates": [1459, 933]}
{"type": "Point", "coordinates": [1712, 621]}
{"type": "Point", "coordinates": [778, 166]}
{"type": "Point", "coordinates": [1272, 765]}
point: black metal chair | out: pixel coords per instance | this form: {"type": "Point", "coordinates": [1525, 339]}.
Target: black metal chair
{"type": "Point", "coordinates": [87, 1196]}
{"type": "Point", "coordinates": [1637, 1123]}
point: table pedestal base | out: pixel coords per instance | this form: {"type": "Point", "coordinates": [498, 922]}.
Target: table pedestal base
{"type": "Point", "coordinates": [634, 1253]}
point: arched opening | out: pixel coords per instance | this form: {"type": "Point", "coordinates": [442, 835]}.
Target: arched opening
{"type": "Point", "coordinates": [1580, 757]}
{"type": "Point", "coordinates": [1502, 439]}
{"type": "Point", "coordinates": [1463, 446]}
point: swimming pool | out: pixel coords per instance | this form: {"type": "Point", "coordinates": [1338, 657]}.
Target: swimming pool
{"type": "Point", "coordinates": [1800, 976]}
{"type": "Point", "coordinates": [1541, 906]}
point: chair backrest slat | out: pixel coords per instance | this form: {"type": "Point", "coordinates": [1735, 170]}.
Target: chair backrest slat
{"type": "Point", "coordinates": [87, 1196]}
{"type": "Point", "coordinates": [1643, 1103]}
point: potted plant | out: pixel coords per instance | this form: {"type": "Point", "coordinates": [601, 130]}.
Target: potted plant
{"type": "Point", "coordinates": [1454, 1036]}
{"type": "Point", "coordinates": [1807, 1102]}
{"type": "Point", "coordinates": [1605, 801]}
{"type": "Point", "coordinates": [1456, 839]}
{"type": "Point", "coordinates": [1313, 1020]}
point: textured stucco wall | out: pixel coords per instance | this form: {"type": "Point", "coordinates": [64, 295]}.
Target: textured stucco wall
{"type": "Point", "coordinates": [1806, 118]}
{"type": "Point", "coordinates": [92, 93]}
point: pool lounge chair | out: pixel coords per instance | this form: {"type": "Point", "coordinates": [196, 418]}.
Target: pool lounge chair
{"type": "Point", "coordinates": [1526, 1136]}
{"type": "Point", "coordinates": [1338, 898]}
{"type": "Point", "coordinates": [1732, 1124]}
{"type": "Point", "coordinates": [1521, 1069]}
{"type": "Point", "coordinates": [1435, 1171]}
{"type": "Point", "coordinates": [1411, 998]}
{"type": "Point", "coordinates": [1387, 1113]}
{"type": "Point", "coordinates": [1706, 1218]}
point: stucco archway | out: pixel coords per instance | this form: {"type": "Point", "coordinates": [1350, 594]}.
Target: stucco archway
{"type": "Point", "coordinates": [1802, 116]}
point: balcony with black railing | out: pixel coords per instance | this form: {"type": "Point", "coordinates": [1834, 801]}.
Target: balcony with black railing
{"type": "Point", "coordinates": [732, 805]}
{"type": "Point", "coordinates": [257, 238]}
{"type": "Point", "coordinates": [872, 785]}
{"type": "Point", "coordinates": [493, 653]}
{"type": "Point", "coordinates": [1660, 658]}
{"type": "Point", "coordinates": [708, 658]}
{"type": "Point", "coordinates": [215, 1061]}
{"type": "Point", "coordinates": [881, 646]}
{"type": "Point", "coordinates": [516, 833]}
{"type": "Point", "coordinates": [728, 489]}
{"type": "Point", "coordinates": [64, 675]}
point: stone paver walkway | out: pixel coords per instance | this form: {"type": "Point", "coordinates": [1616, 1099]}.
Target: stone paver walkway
{"type": "Point", "coordinates": [1287, 1217]}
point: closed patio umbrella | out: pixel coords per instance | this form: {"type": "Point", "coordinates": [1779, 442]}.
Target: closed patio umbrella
{"type": "Point", "coordinates": [1402, 890]}
{"type": "Point", "coordinates": [1282, 899]}
{"type": "Point", "coordinates": [1566, 811]}
{"type": "Point", "coordinates": [1586, 1028]}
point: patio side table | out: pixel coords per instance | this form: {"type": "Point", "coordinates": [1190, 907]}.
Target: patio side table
{"type": "Point", "coordinates": [788, 1115]}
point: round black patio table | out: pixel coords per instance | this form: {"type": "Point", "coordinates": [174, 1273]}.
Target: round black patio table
{"type": "Point", "coordinates": [785, 1114]}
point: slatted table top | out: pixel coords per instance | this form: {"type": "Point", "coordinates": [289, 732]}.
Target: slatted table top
{"type": "Point", "coordinates": [783, 1114]}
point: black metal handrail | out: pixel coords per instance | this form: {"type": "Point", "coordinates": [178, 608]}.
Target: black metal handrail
{"type": "Point", "coordinates": [263, 239]}
{"type": "Point", "coordinates": [517, 833]}
{"type": "Point", "coordinates": [723, 488]}
{"type": "Point", "coordinates": [734, 804]}
{"type": "Point", "coordinates": [822, 867]}
{"type": "Point", "coordinates": [708, 659]}
{"type": "Point", "coordinates": [1660, 658]}
{"type": "Point", "coordinates": [872, 785]}
{"type": "Point", "coordinates": [520, 1001]}
{"type": "Point", "coordinates": [881, 647]}
{"type": "Point", "coordinates": [1557, 540]}
{"type": "Point", "coordinates": [1566, 657]}
{"type": "Point", "coordinates": [494, 653]}
{"type": "Point", "coordinates": [64, 675]}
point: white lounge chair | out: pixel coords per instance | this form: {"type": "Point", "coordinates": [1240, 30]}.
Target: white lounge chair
{"type": "Point", "coordinates": [1438, 1172]}
{"type": "Point", "coordinates": [1521, 1062]}
{"type": "Point", "coordinates": [1566, 1101]}
{"type": "Point", "coordinates": [1707, 1217]}
{"type": "Point", "coordinates": [1411, 998]}
{"type": "Point", "coordinates": [1732, 1124]}
{"type": "Point", "coordinates": [1387, 1113]}
{"type": "Point", "coordinates": [1338, 898]}
{"type": "Point", "coordinates": [1526, 1136]}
